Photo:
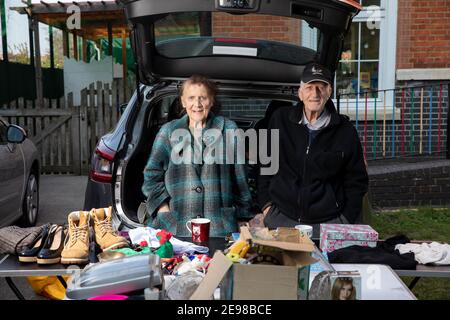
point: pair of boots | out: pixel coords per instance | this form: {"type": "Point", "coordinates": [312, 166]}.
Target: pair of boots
{"type": "Point", "coordinates": [76, 246]}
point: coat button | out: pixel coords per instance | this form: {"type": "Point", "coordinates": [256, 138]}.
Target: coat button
{"type": "Point", "coordinates": [298, 220]}
{"type": "Point", "coordinates": [198, 189]}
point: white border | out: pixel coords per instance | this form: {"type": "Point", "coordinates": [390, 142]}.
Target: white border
{"type": "Point", "coordinates": [423, 74]}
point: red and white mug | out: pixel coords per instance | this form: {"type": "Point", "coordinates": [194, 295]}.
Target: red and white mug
{"type": "Point", "coordinates": [199, 228]}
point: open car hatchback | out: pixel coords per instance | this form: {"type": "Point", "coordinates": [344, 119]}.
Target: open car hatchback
{"type": "Point", "coordinates": [255, 51]}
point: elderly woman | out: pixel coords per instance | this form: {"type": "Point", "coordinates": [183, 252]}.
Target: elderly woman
{"type": "Point", "coordinates": [179, 184]}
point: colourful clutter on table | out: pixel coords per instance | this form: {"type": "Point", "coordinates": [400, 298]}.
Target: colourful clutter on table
{"type": "Point", "coordinates": [251, 266]}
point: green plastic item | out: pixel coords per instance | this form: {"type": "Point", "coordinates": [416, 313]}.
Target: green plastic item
{"type": "Point", "coordinates": [165, 250]}
{"type": "Point", "coordinates": [130, 252]}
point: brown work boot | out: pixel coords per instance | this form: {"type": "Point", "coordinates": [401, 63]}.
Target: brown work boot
{"type": "Point", "coordinates": [105, 235]}
{"type": "Point", "coordinates": [76, 245]}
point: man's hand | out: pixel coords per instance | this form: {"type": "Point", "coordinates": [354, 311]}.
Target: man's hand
{"type": "Point", "coordinates": [266, 210]}
{"type": "Point", "coordinates": [257, 221]}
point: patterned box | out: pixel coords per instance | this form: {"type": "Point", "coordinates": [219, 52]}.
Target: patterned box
{"type": "Point", "coordinates": [337, 236]}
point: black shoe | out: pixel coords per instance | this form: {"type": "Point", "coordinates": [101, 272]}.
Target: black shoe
{"type": "Point", "coordinates": [30, 254]}
{"type": "Point", "coordinates": [51, 252]}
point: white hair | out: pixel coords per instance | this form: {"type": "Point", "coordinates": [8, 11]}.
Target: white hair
{"type": "Point", "coordinates": [303, 83]}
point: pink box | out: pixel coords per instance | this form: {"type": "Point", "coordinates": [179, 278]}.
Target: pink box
{"type": "Point", "coordinates": [337, 236]}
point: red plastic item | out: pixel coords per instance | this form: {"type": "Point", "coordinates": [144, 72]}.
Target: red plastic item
{"type": "Point", "coordinates": [143, 243]}
{"type": "Point", "coordinates": [164, 236]}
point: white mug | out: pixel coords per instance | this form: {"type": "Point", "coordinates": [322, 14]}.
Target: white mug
{"type": "Point", "coordinates": [305, 230]}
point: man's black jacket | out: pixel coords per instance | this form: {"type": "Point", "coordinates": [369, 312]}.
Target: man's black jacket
{"type": "Point", "coordinates": [319, 182]}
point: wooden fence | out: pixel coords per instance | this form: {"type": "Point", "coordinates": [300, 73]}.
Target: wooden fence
{"type": "Point", "coordinates": [64, 134]}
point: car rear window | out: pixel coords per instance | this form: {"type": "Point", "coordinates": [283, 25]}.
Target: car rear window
{"type": "Point", "coordinates": [194, 34]}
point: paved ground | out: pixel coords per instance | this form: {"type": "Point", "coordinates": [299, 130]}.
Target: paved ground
{"type": "Point", "coordinates": [59, 195]}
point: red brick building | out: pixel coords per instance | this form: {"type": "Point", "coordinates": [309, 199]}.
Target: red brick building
{"type": "Point", "coordinates": [391, 44]}
{"type": "Point", "coordinates": [423, 40]}
{"type": "Point", "coordinates": [390, 41]}
{"type": "Point", "coordinates": [256, 26]}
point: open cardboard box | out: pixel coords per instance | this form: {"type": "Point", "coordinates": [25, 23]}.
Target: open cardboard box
{"type": "Point", "coordinates": [288, 281]}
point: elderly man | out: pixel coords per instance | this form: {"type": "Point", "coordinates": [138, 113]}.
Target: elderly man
{"type": "Point", "coordinates": [322, 177]}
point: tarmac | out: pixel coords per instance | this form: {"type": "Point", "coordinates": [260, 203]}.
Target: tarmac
{"type": "Point", "coordinates": [58, 196]}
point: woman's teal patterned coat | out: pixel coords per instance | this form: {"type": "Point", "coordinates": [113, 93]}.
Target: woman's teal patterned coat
{"type": "Point", "coordinates": [218, 192]}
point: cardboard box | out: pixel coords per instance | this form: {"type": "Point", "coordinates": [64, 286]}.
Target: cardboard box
{"type": "Point", "coordinates": [337, 236]}
{"type": "Point", "coordinates": [288, 281]}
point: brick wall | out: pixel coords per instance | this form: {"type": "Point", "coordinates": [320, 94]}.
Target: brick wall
{"type": "Point", "coordinates": [410, 185]}
{"type": "Point", "coordinates": [423, 37]}
{"type": "Point", "coordinates": [256, 27]}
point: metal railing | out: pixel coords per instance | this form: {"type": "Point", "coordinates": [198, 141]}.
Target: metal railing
{"type": "Point", "coordinates": [403, 122]}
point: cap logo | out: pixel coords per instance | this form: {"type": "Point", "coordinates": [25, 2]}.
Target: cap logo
{"type": "Point", "coordinates": [316, 71]}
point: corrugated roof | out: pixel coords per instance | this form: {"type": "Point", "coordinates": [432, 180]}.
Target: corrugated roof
{"type": "Point", "coordinates": [95, 16]}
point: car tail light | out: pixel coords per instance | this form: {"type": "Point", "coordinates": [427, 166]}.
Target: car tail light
{"type": "Point", "coordinates": [353, 3]}
{"type": "Point", "coordinates": [102, 163]}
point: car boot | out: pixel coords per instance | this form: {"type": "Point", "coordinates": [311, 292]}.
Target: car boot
{"type": "Point", "coordinates": [105, 235]}
{"type": "Point", "coordinates": [76, 245]}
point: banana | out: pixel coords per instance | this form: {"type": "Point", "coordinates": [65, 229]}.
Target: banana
{"type": "Point", "coordinates": [234, 257]}
{"type": "Point", "coordinates": [240, 247]}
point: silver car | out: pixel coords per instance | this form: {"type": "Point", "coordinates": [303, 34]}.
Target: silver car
{"type": "Point", "coordinates": [19, 176]}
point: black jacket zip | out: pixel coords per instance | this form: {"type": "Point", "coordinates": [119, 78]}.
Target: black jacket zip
{"type": "Point", "coordinates": [305, 177]}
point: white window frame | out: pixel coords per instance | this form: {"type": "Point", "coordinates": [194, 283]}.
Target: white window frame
{"type": "Point", "coordinates": [309, 36]}
{"type": "Point", "coordinates": [387, 16]}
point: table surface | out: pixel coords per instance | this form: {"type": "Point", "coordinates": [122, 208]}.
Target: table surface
{"type": "Point", "coordinates": [426, 271]}
{"type": "Point", "coordinates": [378, 282]}
{"type": "Point", "coordinates": [11, 267]}
{"type": "Point", "coordinates": [390, 281]}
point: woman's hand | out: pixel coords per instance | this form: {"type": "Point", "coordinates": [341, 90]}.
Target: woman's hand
{"type": "Point", "coordinates": [163, 208]}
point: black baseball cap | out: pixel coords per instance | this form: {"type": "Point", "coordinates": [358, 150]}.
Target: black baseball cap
{"type": "Point", "coordinates": [316, 72]}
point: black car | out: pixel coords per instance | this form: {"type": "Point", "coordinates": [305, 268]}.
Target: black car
{"type": "Point", "coordinates": [255, 74]}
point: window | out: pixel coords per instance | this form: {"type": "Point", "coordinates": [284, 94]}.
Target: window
{"type": "Point", "coordinates": [58, 47]}
{"type": "Point", "coordinates": [358, 68]}
{"type": "Point", "coordinates": [270, 37]}
{"type": "Point", "coordinates": [45, 34]}
{"type": "Point", "coordinates": [17, 33]}
{"type": "Point", "coordinates": [309, 36]}
{"type": "Point", "coordinates": [2, 27]}
{"type": "Point", "coordinates": [367, 64]}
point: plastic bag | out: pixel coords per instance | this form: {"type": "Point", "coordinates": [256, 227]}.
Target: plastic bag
{"type": "Point", "coordinates": [48, 286]}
